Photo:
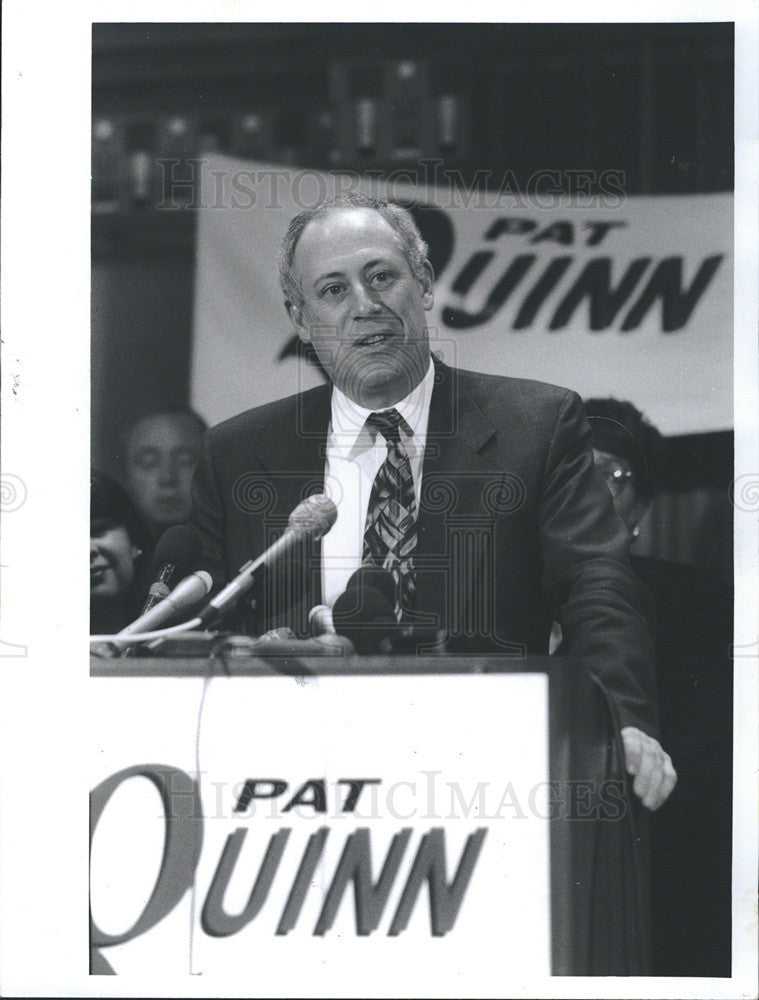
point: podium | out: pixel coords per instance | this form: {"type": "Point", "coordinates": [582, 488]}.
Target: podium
{"type": "Point", "coordinates": [363, 826]}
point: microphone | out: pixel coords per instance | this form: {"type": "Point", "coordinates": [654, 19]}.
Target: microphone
{"type": "Point", "coordinates": [320, 620]}
{"type": "Point", "coordinates": [178, 552]}
{"type": "Point", "coordinates": [311, 519]}
{"type": "Point", "coordinates": [187, 593]}
{"type": "Point", "coordinates": [364, 612]}
{"type": "Point", "coordinates": [323, 630]}
{"type": "Point", "coordinates": [379, 579]}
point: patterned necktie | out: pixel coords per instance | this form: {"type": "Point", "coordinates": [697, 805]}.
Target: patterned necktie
{"type": "Point", "coordinates": [390, 534]}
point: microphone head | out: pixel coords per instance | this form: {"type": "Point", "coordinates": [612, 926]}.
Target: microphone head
{"type": "Point", "coordinates": [314, 516]}
{"type": "Point", "coordinates": [365, 616]}
{"type": "Point", "coordinates": [192, 589]}
{"type": "Point", "coordinates": [320, 620]}
{"type": "Point", "coordinates": [206, 580]}
{"type": "Point", "coordinates": [375, 577]}
{"type": "Point", "coordinates": [179, 546]}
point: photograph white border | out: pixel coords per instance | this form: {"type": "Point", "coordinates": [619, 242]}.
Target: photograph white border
{"type": "Point", "coordinates": [44, 824]}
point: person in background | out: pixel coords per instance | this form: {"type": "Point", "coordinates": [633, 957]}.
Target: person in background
{"type": "Point", "coordinates": [693, 604]}
{"type": "Point", "coordinates": [161, 450]}
{"type": "Point", "coordinates": [690, 840]}
{"type": "Point", "coordinates": [626, 449]}
{"type": "Point", "coordinates": [119, 556]}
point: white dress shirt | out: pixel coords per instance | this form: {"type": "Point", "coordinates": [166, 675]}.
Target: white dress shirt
{"type": "Point", "coordinates": [355, 453]}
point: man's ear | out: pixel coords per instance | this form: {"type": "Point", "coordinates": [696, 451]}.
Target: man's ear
{"type": "Point", "coordinates": [295, 312]}
{"type": "Point", "coordinates": [427, 281]}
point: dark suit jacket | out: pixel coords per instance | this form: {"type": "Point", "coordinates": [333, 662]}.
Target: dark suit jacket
{"type": "Point", "coordinates": [515, 527]}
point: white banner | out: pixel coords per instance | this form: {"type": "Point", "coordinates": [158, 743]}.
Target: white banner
{"type": "Point", "coordinates": [610, 295]}
{"type": "Point", "coordinates": [324, 836]}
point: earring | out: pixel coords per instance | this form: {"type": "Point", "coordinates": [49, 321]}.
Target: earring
{"type": "Point", "coordinates": [635, 531]}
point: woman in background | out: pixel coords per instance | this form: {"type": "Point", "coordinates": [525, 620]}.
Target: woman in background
{"type": "Point", "coordinates": [119, 558]}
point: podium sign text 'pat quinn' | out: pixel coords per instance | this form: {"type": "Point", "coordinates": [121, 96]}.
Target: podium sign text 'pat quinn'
{"type": "Point", "coordinates": [325, 836]}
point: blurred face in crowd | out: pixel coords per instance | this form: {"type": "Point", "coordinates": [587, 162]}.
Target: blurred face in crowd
{"type": "Point", "coordinates": [112, 557]}
{"type": "Point", "coordinates": [361, 306]}
{"type": "Point", "coordinates": [620, 479]}
{"type": "Point", "coordinates": [161, 454]}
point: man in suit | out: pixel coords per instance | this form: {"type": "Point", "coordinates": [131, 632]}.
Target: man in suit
{"type": "Point", "coordinates": [502, 524]}
{"type": "Point", "coordinates": [159, 453]}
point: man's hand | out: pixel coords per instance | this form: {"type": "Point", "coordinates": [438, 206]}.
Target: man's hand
{"type": "Point", "coordinates": [655, 777]}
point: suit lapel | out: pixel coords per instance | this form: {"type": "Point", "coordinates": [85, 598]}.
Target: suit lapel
{"type": "Point", "coordinates": [295, 468]}
{"type": "Point", "coordinates": [302, 453]}
{"type": "Point", "coordinates": [458, 468]}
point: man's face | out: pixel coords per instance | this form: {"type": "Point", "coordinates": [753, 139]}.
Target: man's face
{"type": "Point", "coordinates": [162, 452]}
{"type": "Point", "coordinates": [362, 308]}
{"type": "Point", "coordinates": [112, 557]}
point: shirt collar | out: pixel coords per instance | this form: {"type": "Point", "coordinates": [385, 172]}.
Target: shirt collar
{"type": "Point", "coordinates": [347, 426]}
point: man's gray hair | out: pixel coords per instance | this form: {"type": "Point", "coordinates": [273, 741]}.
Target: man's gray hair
{"type": "Point", "coordinates": [414, 248]}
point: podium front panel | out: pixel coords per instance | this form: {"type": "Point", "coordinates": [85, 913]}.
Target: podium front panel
{"type": "Point", "coordinates": [357, 829]}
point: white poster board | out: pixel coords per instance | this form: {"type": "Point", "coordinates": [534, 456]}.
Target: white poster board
{"type": "Point", "coordinates": [427, 791]}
